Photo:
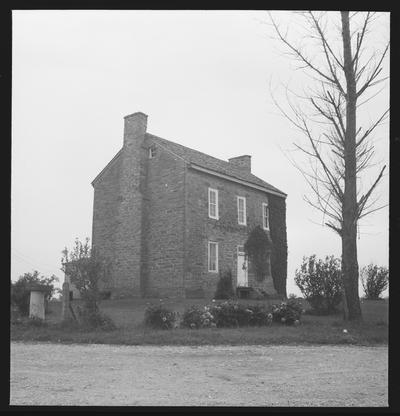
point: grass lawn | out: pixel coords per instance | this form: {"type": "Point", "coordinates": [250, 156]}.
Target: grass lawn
{"type": "Point", "coordinates": [128, 315]}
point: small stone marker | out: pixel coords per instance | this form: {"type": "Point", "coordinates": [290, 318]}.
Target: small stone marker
{"type": "Point", "coordinates": [36, 304]}
{"type": "Point", "coordinates": [65, 301]}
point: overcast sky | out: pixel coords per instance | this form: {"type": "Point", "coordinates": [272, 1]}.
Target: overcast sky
{"type": "Point", "coordinates": [202, 77]}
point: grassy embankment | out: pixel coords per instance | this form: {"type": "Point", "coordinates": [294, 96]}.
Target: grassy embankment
{"type": "Point", "coordinates": [128, 316]}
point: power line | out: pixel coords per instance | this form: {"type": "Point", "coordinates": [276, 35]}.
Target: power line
{"type": "Point", "coordinates": [35, 266]}
{"type": "Point", "coordinates": [28, 258]}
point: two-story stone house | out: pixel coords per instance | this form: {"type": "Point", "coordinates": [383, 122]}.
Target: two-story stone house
{"type": "Point", "coordinates": [170, 218]}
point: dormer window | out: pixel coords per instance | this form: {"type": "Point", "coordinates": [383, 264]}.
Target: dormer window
{"type": "Point", "coordinates": [152, 152]}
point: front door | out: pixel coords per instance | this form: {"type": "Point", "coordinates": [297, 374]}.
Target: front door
{"type": "Point", "coordinates": [241, 267]}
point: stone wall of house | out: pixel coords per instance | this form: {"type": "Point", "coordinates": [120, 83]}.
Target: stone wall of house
{"type": "Point", "coordinates": [163, 224]}
{"type": "Point", "coordinates": [117, 211]}
{"type": "Point", "coordinates": [105, 212]}
{"type": "Point", "coordinates": [150, 217]}
{"type": "Point", "coordinates": [226, 231]}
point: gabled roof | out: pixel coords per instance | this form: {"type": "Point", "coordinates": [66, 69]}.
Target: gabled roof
{"type": "Point", "coordinates": [106, 167]}
{"type": "Point", "coordinates": [211, 163]}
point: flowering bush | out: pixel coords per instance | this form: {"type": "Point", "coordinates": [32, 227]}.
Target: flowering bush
{"type": "Point", "coordinates": [157, 316]}
{"type": "Point", "coordinates": [261, 315]}
{"type": "Point", "coordinates": [288, 312]}
{"type": "Point", "coordinates": [195, 317]}
{"type": "Point", "coordinates": [228, 314]}
{"type": "Point", "coordinates": [234, 314]}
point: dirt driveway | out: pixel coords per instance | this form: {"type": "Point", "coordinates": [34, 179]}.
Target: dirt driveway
{"type": "Point", "coordinates": [95, 375]}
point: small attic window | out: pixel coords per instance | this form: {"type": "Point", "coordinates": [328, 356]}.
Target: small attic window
{"type": "Point", "coordinates": [152, 152]}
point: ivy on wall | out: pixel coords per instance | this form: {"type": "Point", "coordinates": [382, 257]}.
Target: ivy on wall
{"type": "Point", "coordinates": [277, 212]}
{"type": "Point", "coordinates": [258, 247]}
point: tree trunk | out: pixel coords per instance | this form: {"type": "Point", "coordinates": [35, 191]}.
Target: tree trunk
{"type": "Point", "coordinates": [349, 207]}
{"type": "Point", "coordinates": [350, 276]}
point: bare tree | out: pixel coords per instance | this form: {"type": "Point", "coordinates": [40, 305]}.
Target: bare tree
{"type": "Point", "coordinates": [343, 71]}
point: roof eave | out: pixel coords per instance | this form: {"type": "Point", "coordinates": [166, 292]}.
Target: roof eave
{"type": "Point", "coordinates": [109, 164]}
{"type": "Point", "coordinates": [240, 181]}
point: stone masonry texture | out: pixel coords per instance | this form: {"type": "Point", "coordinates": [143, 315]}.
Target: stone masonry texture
{"type": "Point", "coordinates": [200, 229]}
{"type": "Point", "coordinates": [150, 220]}
{"type": "Point", "coordinates": [105, 214]}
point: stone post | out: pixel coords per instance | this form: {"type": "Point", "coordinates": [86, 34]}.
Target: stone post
{"type": "Point", "coordinates": [36, 304]}
{"type": "Point", "coordinates": [65, 302]}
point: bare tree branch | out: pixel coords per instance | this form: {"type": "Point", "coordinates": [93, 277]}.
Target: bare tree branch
{"type": "Point", "coordinates": [299, 55]}
{"type": "Point", "coordinates": [372, 128]}
{"type": "Point", "coordinates": [376, 71]}
{"type": "Point", "coordinates": [336, 149]}
{"type": "Point", "coordinates": [363, 200]}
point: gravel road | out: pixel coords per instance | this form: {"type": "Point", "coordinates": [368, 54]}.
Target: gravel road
{"type": "Point", "coordinates": [96, 375]}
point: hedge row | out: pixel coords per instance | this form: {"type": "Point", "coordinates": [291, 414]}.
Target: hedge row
{"type": "Point", "coordinates": [227, 314]}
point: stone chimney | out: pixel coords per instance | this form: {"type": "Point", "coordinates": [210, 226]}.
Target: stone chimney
{"type": "Point", "coordinates": [135, 127]}
{"type": "Point", "coordinates": [128, 233]}
{"type": "Point", "coordinates": [241, 162]}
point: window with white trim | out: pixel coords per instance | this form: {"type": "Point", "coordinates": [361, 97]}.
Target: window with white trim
{"type": "Point", "coordinates": [213, 257]}
{"type": "Point", "coordinates": [265, 215]}
{"type": "Point", "coordinates": [213, 203]}
{"type": "Point", "coordinates": [241, 208]}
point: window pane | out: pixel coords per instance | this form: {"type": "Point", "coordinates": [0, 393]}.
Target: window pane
{"type": "Point", "coordinates": [241, 211]}
{"type": "Point", "coordinates": [212, 265]}
{"type": "Point", "coordinates": [213, 210]}
{"type": "Point", "coordinates": [265, 219]}
{"type": "Point", "coordinates": [212, 203]}
{"type": "Point", "coordinates": [212, 197]}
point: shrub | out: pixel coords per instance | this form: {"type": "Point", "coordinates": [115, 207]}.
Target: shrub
{"type": "Point", "coordinates": [258, 294]}
{"type": "Point", "coordinates": [225, 286]}
{"type": "Point", "coordinates": [234, 314]}
{"type": "Point", "coordinates": [68, 325]}
{"type": "Point", "coordinates": [91, 319]}
{"type": "Point", "coordinates": [15, 315]}
{"type": "Point", "coordinates": [105, 295]}
{"type": "Point", "coordinates": [226, 314]}
{"type": "Point", "coordinates": [36, 322]}
{"type": "Point", "coordinates": [20, 290]}
{"type": "Point", "coordinates": [288, 312]}
{"type": "Point", "coordinates": [194, 317]}
{"type": "Point", "coordinates": [261, 315]}
{"type": "Point", "coordinates": [374, 280]}
{"type": "Point", "coordinates": [320, 283]}
{"type": "Point", "coordinates": [86, 268]}
{"type": "Point", "coordinates": [258, 248]}
{"type": "Point", "coordinates": [159, 317]}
